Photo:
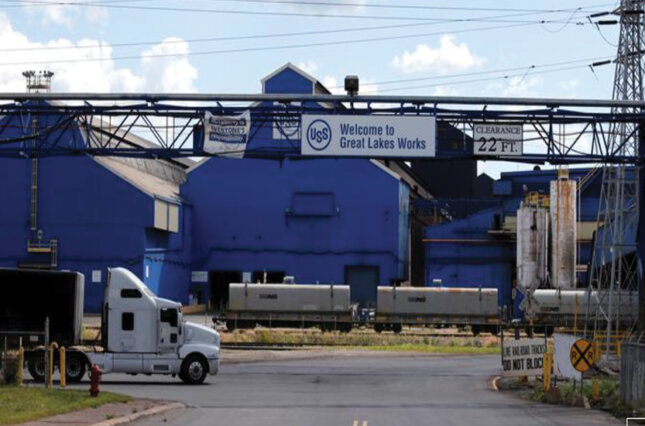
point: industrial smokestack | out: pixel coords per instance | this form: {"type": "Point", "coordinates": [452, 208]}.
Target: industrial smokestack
{"type": "Point", "coordinates": [38, 81]}
{"type": "Point", "coordinates": [563, 231]}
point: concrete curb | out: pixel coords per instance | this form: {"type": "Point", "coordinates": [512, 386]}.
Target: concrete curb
{"type": "Point", "coordinates": [146, 413]}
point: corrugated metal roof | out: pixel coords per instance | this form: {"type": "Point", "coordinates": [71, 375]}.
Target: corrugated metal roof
{"type": "Point", "coordinates": [136, 171]}
{"type": "Point", "coordinates": [157, 178]}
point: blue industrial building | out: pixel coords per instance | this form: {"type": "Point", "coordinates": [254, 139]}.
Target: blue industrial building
{"type": "Point", "coordinates": [476, 246]}
{"type": "Point", "coordinates": [191, 228]}
{"type": "Point", "coordinates": [88, 214]}
{"type": "Point", "coordinates": [319, 220]}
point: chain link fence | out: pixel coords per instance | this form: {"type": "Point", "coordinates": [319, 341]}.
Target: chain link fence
{"type": "Point", "coordinates": [632, 374]}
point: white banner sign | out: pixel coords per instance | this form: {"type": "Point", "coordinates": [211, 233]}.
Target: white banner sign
{"type": "Point", "coordinates": [226, 135]}
{"type": "Point", "coordinates": [368, 136]}
{"type": "Point", "coordinates": [522, 357]}
{"type": "Point", "coordinates": [500, 140]}
{"type": "Point", "coordinates": [286, 126]}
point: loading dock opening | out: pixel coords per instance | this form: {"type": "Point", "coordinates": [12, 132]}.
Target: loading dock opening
{"type": "Point", "coordinates": [219, 281]}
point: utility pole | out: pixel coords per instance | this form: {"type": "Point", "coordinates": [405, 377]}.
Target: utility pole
{"type": "Point", "coordinates": [614, 269]}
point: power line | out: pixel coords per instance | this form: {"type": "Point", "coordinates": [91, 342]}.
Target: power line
{"type": "Point", "coordinates": [412, 7]}
{"type": "Point", "coordinates": [281, 14]}
{"type": "Point", "coordinates": [100, 3]}
{"type": "Point", "coordinates": [476, 80]}
{"type": "Point", "coordinates": [264, 48]}
{"type": "Point", "coordinates": [248, 37]}
{"type": "Point", "coordinates": [224, 38]}
{"type": "Point", "coordinates": [584, 61]}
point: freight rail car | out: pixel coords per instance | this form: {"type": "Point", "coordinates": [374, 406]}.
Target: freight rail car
{"type": "Point", "coordinates": [568, 308]}
{"type": "Point", "coordinates": [399, 306]}
{"type": "Point", "coordinates": [326, 306]}
{"type": "Point", "coordinates": [329, 308]}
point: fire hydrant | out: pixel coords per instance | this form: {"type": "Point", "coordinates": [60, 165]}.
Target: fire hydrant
{"type": "Point", "coordinates": [95, 378]}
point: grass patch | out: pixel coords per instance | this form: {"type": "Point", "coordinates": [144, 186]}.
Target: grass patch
{"type": "Point", "coordinates": [608, 396]}
{"type": "Point", "coordinates": [30, 403]}
{"type": "Point", "coordinates": [409, 347]}
{"type": "Point", "coordinates": [367, 339]}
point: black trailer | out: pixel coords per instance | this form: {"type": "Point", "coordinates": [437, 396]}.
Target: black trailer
{"type": "Point", "coordinates": [27, 298]}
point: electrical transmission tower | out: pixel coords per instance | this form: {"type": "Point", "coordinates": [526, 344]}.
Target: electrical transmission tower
{"type": "Point", "coordinates": [614, 269]}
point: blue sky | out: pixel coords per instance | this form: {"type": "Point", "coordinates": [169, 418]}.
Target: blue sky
{"type": "Point", "coordinates": [432, 47]}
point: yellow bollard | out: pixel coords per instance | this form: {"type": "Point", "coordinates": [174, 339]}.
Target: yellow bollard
{"type": "Point", "coordinates": [547, 365]}
{"type": "Point", "coordinates": [50, 379]}
{"type": "Point", "coordinates": [596, 350]}
{"type": "Point", "coordinates": [61, 368]}
{"type": "Point", "coordinates": [21, 365]}
{"type": "Point", "coordinates": [595, 386]}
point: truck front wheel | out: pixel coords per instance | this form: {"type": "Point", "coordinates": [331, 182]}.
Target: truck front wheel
{"type": "Point", "coordinates": [74, 368]}
{"type": "Point", "coordinates": [193, 370]}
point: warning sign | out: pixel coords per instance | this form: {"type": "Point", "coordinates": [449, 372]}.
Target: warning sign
{"type": "Point", "coordinates": [581, 355]}
{"type": "Point", "coordinates": [523, 357]}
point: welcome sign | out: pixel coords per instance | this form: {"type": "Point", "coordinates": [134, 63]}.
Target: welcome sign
{"type": "Point", "coordinates": [368, 136]}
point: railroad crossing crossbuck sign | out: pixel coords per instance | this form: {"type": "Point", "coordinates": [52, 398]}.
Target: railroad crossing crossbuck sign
{"type": "Point", "coordinates": [581, 355]}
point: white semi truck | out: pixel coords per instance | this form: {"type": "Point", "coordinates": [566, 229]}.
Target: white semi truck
{"type": "Point", "coordinates": [140, 332]}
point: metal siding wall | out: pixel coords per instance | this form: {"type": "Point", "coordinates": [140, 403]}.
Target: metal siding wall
{"type": "Point", "coordinates": [288, 81]}
{"type": "Point", "coordinates": [98, 218]}
{"type": "Point", "coordinates": [242, 221]}
{"type": "Point", "coordinates": [169, 268]}
{"type": "Point", "coordinates": [468, 264]}
{"type": "Point", "coordinates": [490, 264]}
{"type": "Point", "coordinates": [90, 211]}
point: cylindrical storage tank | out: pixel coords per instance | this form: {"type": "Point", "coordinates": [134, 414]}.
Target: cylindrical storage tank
{"type": "Point", "coordinates": [575, 302]}
{"type": "Point", "coordinates": [443, 301]}
{"type": "Point", "coordinates": [288, 298]}
{"type": "Point", "coordinates": [532, 257]}
{"type": "Point", "coordinates": [563, 231]}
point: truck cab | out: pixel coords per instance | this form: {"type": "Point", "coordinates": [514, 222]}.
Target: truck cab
{"type": "Point", "coordinates": [143, 333]}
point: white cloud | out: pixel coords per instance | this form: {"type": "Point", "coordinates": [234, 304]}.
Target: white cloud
{"type": "Point", "coordinates": [82, 74]}
{"type": "Point", "coordinates": [331, 83]}
{"type": "Point", "coordinates": [445, 91]}
{"type": "Point", "coordinates": [449, 56]}
{"type": "Point", "coordinates": [368, 86]}
{"type": "Point", "coordinates": [56, 12]}
{"type": "Point", "coordinates": [521, 87]}
{"type": "Point", "coordinates": [310, 67]}
{"type": "Point", "coordinates": [169, 73]}
{"type": "Point", "coordinates": [570, 87]}
{"type": "Point", "coordinates": [334, 6]}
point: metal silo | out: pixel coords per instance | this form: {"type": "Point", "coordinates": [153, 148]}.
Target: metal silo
{"type": "Point", "coordinates": [532, 229]}
{"type": "Point", "coordinates": [563, 213]}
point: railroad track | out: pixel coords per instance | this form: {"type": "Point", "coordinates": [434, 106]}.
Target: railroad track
{"type": "Point", "coordinates": [372, 333]}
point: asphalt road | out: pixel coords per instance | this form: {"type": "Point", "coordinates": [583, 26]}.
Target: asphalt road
{"type": "Point", "coordinates": [355, 391]}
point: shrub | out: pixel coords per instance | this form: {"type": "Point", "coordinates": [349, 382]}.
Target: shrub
{"type": "Point", "coordinates": [10, 367]}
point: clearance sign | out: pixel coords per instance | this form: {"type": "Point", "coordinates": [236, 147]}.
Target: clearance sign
{"type": "Point", "coordinates": [368, 136]}
{"type": "Point", "coordinates": [498, 139]}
